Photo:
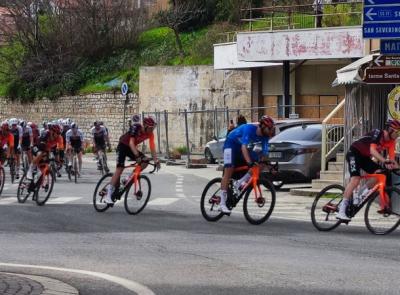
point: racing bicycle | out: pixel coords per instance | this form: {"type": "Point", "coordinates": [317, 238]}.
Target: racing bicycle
{"type": "Point", "coordinates": [137, 190]}
{"type": "Point", "coordinates": [382, 211]}
{"type": "Point", "coordinates": [259, 196]}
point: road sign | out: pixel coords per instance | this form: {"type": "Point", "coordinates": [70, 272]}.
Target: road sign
{"type": "Point", "coordinates": [124, 88]}
{"type": "Point", "coordinates": [382, 75]}
{"type": "Point", "coordinates": [386, 61]}
{"type": "Point", "coordinates": [380, 2]}
{"type": "Point", "coordinates": [381, 13]}
{"type": "Point", "coordinates": [390, 46]}
{"type": "Point", "coordinates": [381, 30]}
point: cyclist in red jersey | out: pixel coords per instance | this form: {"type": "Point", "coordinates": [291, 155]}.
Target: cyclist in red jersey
{"type": "Point", "coordinates": [127, 147]}
{"type": "Point", "coordinates": [49, 139]}
{"type": "Point", "coordinates": [6, 142]}
{"type": "Point", "coordinates": [359, 157]}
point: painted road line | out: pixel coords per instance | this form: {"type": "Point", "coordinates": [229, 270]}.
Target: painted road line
{"type": "Point", "coordinates": [181, 195]}
{"type": "Point", "coordinates": [163, 201]}
{"type": "Point", "coordinates": [63, 200]}
{"type": "Point", "coordinates": [179, 190]}
{"type": "Point", "coordinates": [130, 285]}
{"type": "Point", "coordinates": [7, 201]}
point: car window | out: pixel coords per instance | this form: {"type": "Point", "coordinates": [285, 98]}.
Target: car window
{"type": "Point", "coordinates": [306, 132]}
{"type": "Point", "coordinates": [222, 133]}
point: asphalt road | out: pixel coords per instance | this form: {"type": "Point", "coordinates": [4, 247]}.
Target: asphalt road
{"type": "Point", "coordinates": [170, 249]}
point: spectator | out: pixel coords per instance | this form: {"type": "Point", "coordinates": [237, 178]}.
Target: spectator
{"type": "Point", "coordinates": [240, 120]}
{"type": "Point", "coordinates": [318, 6]}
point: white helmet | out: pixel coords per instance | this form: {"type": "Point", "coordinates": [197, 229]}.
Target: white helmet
{"type": "Point", "coordinates": [13, 121]}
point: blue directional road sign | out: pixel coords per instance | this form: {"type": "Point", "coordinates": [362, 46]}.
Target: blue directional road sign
{"type": "Point", "coordinates": [390, 46]}
{"type": "Point", "coordinates": [381, 13]}
{"type": "Point", "coordinates": [380, 2]}
{"type": "Point", "coordinates": [381, 30]}
{"type": "Point", "coordinates": [124, 89]}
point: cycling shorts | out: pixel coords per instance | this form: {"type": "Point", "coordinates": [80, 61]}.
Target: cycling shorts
{"type": "Point", "coordinates": [356, 162]}
{"type": "Point", "coordinates": [233, 156]}
{"type": "Point", "coordinates": [124, 151]}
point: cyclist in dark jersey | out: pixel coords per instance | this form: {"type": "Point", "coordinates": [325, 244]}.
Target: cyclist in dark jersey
{"type": "Point", "coordinates": [127, 147]}
{"type": "Point", "coordinates": [360, 156]}
{"type": "Point", "coordinates": [27, 140]}
{"type": "Point", "coordinates": [99, 140]}
{"type": "Point", "coordinates": [16, 131]}
{"type": "Point", "coordinates": [74, 139]}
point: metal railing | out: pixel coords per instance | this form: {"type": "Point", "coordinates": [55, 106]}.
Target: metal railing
{"type": "Point", "coordinates": [295, 16]}
{"type": "Point", "coordinates": [332, 135]}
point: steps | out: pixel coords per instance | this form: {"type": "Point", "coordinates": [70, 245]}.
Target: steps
{"type": "Point", "coordinates": [334, 175]}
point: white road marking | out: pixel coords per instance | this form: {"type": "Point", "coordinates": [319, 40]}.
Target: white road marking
{"type": "Point", "coordinates": [62, 200]}
{"type": "Point", "coordinates": [130, 285]}
{"type": "Point", "coordinates": [181, 195]}
{"type": "Point", "coordinates": [163, 201]}
{"type": "Point", "coordinates": [179, 190]}
{"type": "Point", "coordinates": [7, 201]}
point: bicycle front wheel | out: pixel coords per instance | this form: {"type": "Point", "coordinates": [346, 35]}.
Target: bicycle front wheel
{"type": "Point", "coordinates": [325, 206]}
{"type": "Point", "coordinates": [257, 208]}
{"type": "Point", "coordinates": [136, 197]}
{"type": "Point", "coordinates": [2, 179]}
{"type": "Point", "coordinates": [76, 171]}
{"type": "Point", "coordinates": [44, 188]}
{"type": "Point", "coordinates": [210, 199]}
{"type": "Point", "coordinates": [12, 170]}
{"type": "Point", "coordinates": [378, 222]}
{"type": "Point", "coordinates": [100, 193]}
{"type": "Point", "coordinates": [24, 191]}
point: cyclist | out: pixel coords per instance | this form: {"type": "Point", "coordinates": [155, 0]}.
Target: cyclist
{"type": "Point", "coordinates": [100, 137]}
{"type": "Point", "coordinates": [44, 128]}
{"type": "Point", "coordinates": [6, 142]}
{"type": "Point", "coordinates": [127, 147]}
{"type": "Point", "coordinates": [16, 131]}
{"type": "Point", "coordinates": [236, 153]}
{"type": "Point", "coordinates": [27, 140]}
{"type": "Point", "coordinates": [359, 157]}
{"type": "Point", "coordinates": [74, 139]}
{"type": "Point", "coordinates": [49, 140]}
{"type": "Point", "coordinates": [35, 133]}
{"type": "Point", "coordinates": [108, 135]}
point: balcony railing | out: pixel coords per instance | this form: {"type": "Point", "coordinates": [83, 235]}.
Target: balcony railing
{"type": "Point", "coordinates": [289, 17]}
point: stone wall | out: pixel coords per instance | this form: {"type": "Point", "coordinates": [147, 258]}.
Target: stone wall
{"type": "Point", "coordinates": [84, 110]}
{"type": "Point", "coordinates": [194, 88]}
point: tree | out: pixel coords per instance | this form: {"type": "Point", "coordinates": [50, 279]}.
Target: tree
{"type": "Point", "coordinates": [178, 16]}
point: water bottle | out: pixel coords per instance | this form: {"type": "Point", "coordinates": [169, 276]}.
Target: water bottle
{"type": "Point", "coordinates": [356, 196]}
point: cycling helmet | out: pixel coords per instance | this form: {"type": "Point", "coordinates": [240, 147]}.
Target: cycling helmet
{"type": "Point", "coordinates": [74, 126]}
{"type": "Point", "coordinates": [149, 122]}
{"type": "Point", "coordinates": [267, 121]}
{"type": "Point", "coordinates": [5, 126]}
{"type": "Point", "coordinates": [135, 118]}
{"type": "Point", "coordinates": [394, 124]}
{"type": "Point", "coordinates": [13, 121]}
{"type": "Point", "coordinates": [23, 124]}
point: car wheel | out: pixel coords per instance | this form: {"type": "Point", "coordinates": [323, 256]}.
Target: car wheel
{"type": "Point", "coordinates": [278, 184]}
{"type": "Point", "coordinates": [209, 157]}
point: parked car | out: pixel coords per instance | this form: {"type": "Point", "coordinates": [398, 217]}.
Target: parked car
{"type": "Point", "coordinates": [298, 152]}
{"type": "Point", "coordinates": [214, 149]}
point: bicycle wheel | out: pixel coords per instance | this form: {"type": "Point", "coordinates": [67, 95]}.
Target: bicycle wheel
{"type": "Point", "coordinates": [325, 206]}
{"type": "Point", "coordinates": [104, 164]}
{"type": "Point", "coordinates": [53, 170]}
{"type": "Point", "coordinates": [25, 162]}
{"type": "Point", "coordinates": [136, 201]}
{"type": "Point", "coordinates": [100, 193]}
{"type": "Point", "coordinates": [209, 202]}
{"type": "Point", "coordinates": [101, 162]}
{"type": "Point", "coordinates": [68, 169]}
{"type": "Point", "coordinates": [2, 179]}
{"type": "Point", "coordinates": [75, 163]}
{"type": "Point", "coordinates": [23, 192]}
{"type": "Point", "coordinates": [44, 187]}
{"type": "Point", "coordinates": [258, 210]}
{"type": "Point", "coordinates": [382, 223]}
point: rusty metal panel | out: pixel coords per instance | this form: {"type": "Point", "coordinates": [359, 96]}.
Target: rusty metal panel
{"type": "Point", "coordinates": [301, 44]}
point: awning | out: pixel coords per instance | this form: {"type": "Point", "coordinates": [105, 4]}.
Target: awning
{"type": "Point", "coordinates": [350, 73]}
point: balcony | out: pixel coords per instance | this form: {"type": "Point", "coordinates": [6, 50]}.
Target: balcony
{"type": "Point", "coordinates": [302, 16]}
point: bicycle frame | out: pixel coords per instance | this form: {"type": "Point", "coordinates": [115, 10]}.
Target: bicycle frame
{"type": "Point", "coordinates": [380, 187]}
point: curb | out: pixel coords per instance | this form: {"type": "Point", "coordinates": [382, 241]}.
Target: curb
{"type": "Point", "coordinates": [49, 286]}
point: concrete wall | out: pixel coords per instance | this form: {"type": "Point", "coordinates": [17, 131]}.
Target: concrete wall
{"type": "Point", "coordinates": [193, 88]}
{"type": "Point", "coordinates": [84, 110]}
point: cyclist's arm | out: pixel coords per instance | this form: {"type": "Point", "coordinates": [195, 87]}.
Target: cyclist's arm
{"type": "Point", "coordinates": [153, 147]}
{"type": "Point", "coordinates": [10, 145]}
{"type": "Point", "coordinates": [374, 152]}
{"type": "Point", "coordinates": [246, 153]}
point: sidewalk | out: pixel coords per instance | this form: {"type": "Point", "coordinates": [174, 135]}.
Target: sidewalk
{"type": "Point", "coordinates": [20, 284]}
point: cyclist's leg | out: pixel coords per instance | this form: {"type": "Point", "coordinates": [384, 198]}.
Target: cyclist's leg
{"type": "Point", "coordinates": [79, 152]}
{"type": "Point", "coordinates": [122, 151]}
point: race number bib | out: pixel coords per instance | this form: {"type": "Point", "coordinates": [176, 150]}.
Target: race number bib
{"type": "Point", "coordinates": [227, 156]}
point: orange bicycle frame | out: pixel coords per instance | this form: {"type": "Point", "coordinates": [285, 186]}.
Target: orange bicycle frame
{"type": "Point", "coordinates": [380, 187]}
{"type": "Point", "coordinates": [255, 176]}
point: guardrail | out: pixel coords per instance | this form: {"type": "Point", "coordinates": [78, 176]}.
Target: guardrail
{"type": "Point", "coordinates": [332, 135]}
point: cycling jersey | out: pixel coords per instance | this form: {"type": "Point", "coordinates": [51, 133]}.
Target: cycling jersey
{"type": "Point", "coordinates": [99, 136]}
{"type": "Point", "coordinates": [26, 136]}
{"type": "Point", "coordinates": [46, 143]}
{"type": "Point", "coordinates": [36, 136]}
{"type": "Point", "coordinates": [243, 135]}
{"type": "Point", "coordinates": [6, 139]}
{"type": "Point", "coordinates": [75, 139]}
{"type": "Point", "coordinates": [137, 132]}
{"type": "Point", "coordinates": [375, 139]}
{"type": "Point", "coordinates": [17, 133]}
{"type": "Point", "coordinates": [64, 135]}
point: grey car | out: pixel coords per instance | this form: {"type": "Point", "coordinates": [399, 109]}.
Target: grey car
{"type": "Point", "coordinates": [298, 152]}
{"type": "Point", "coordinates": [214, 149]}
